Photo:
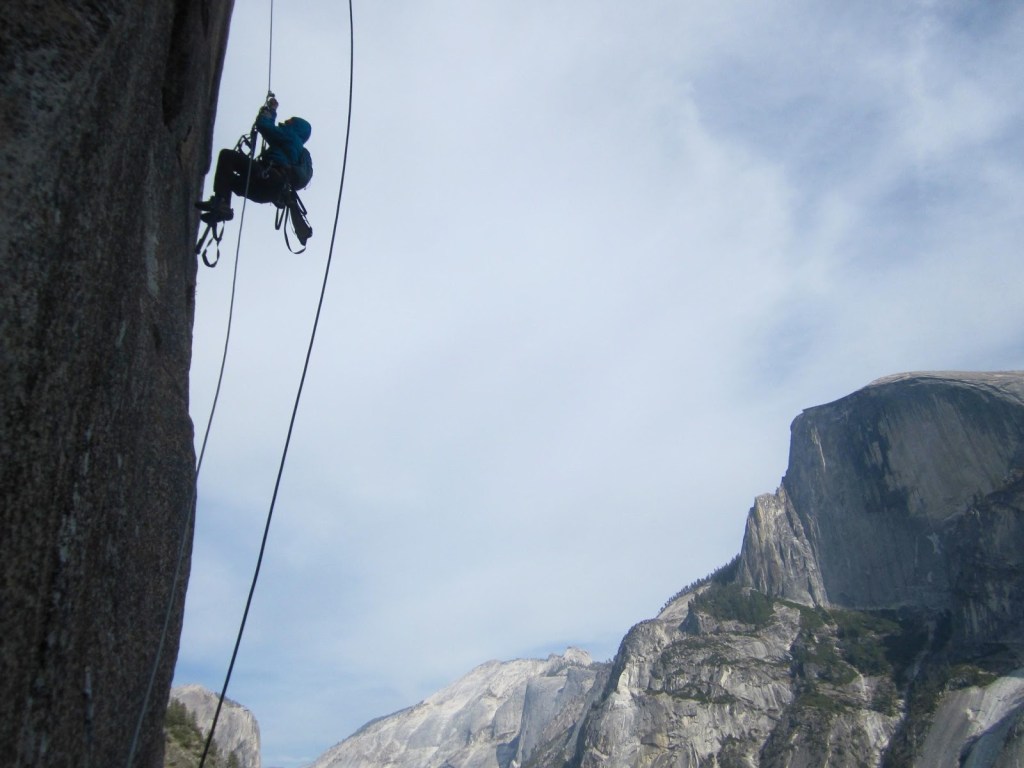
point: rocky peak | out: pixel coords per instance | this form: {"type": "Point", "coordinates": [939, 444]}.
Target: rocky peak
{"type": "Point", "coordinates": [237, 733]}
{"type": "Point", "coordinates": [873, 617]}
{"type": "Point", "coordinates": [881, 487]}
{"type": "Point", "coordinates": [495, 716]}
{"type": "Point", "coordinates": [875, 613]}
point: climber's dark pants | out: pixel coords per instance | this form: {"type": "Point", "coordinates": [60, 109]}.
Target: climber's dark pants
{"type": "Point", "coordinates": [265, 183]}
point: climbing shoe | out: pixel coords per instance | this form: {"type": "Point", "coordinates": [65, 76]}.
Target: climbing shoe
{"type": "Point", "coordinates": [217, 216]}
{"type": "Point", "coordinates": [216, 209]}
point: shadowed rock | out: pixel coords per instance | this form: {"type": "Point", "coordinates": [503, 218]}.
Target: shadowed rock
{"type": "Point", "coordinates": [106, 136]}
{"type": "Point", "coordinates": [905, 493]}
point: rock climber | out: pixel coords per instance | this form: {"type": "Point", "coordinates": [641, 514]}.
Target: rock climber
{"type": "Point", "coordinates": [284, 161]}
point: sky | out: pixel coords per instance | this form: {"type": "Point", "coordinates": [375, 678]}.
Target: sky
{"type": "Point", "coordinates": [592, 260]}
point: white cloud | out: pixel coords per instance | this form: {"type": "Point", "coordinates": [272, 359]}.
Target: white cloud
{"type": "Point", "coordinates": [591, 263]}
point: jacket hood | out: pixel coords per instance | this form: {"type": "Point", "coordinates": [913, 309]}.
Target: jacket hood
{"type": "Point", "coordinates": [301, 128]}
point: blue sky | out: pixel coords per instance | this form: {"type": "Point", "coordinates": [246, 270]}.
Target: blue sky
{"type": "Point", "coordinates": [593, 259]}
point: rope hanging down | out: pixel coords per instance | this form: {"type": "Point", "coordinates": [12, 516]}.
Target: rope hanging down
{"type": "Point", "coordinates": [270, 51]}
{"type": "Point", "coordinates": [187, 512]}
{"type": "Point", "coordinates": [298, 397]}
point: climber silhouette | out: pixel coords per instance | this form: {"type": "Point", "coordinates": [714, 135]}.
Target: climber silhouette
{"type": "Point", "coordinates": [283, 163]}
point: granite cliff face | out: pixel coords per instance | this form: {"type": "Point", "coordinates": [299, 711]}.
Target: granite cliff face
{"type": "Point", "coordinates": [739, 682]}
{"type": "Point", "coordinates": [237, 733]}
{"type": "Point", "coordinates": [500, 714]}
{"type": "Point", "coordinates": [872, 618]}
{"type": "Point", "coordinates": [906, 493]}
{"type": "Point", "coordinates": [105, 140]}
{"type": "Point", "coordinates": [874, 614]}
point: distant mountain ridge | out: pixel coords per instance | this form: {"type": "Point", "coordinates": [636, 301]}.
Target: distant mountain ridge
{"type": "Point", "coordinates": [498, 714]}
{"type": "Point", "coordinates": [237, 737]}
{"type": "Point", "coordinates": [873, 617]}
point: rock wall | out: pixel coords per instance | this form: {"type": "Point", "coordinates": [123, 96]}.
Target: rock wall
{"type": "Point", "coordinates": [108, 113]}
{"type": "Point", "coordinates": [876, 611]}
{"type": "Point", "coordinates": [880, 487]}
{"type": "Point", "coordinates": [237, 732]}
{"type": "Point", "coordinates": [777, 555]}
{"type": "Point", "coordinates": [728, 690]}
{"type": "Point", "coordinates": [992, 734]}
{"type": "Point", "coordinates": [873, 618]}
{"type": "Point", "coordinates": [497, 716]}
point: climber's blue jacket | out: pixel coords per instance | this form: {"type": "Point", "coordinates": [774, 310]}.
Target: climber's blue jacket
{"type": "Point", "coordinates": [284, 141]}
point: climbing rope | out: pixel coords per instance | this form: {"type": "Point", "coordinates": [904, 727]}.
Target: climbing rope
{"type": "Point", "coordinates": [298, 397]}
{"type": "Point", "coordinates": [187, 513]}
{"type": "Point", "coordinates": [270, 49]}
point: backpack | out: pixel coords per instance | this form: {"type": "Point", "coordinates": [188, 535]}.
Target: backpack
{"type": "Point", "coordinates": [300, 174]}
